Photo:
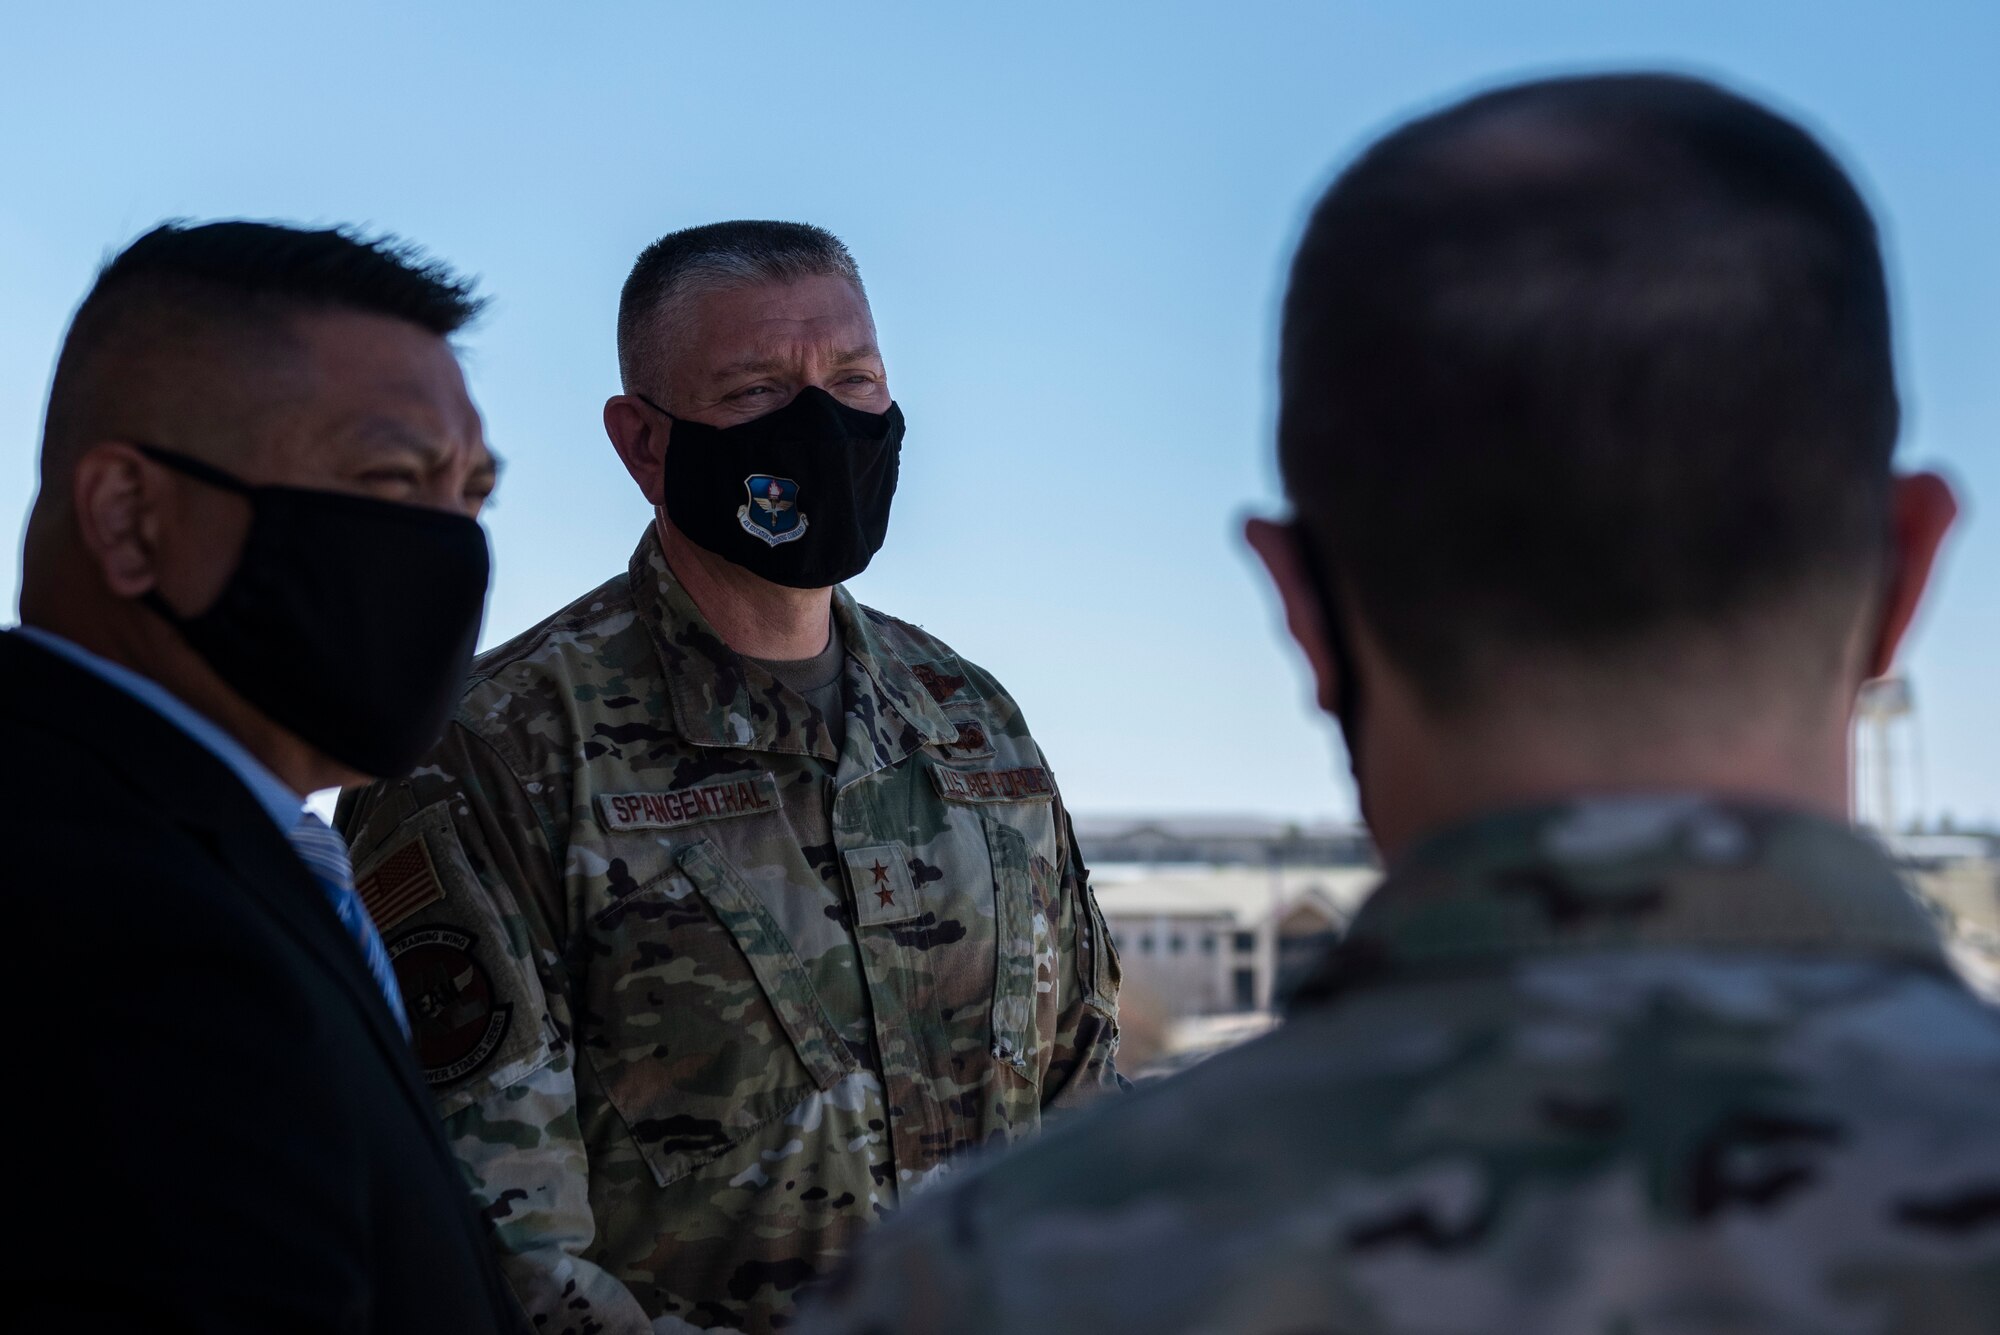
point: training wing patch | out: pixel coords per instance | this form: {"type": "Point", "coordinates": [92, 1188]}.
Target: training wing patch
{"type": "Point", "coordinates": [1029, 783]}
{"type": "Point", "coordinates": [457, 1020]}
{"type": "Point", "coordinates": [749, 795]}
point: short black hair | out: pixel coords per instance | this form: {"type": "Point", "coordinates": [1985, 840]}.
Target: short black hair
{"type": "Point", "coordinates": [1581, 361]}
{"type": "Point", "coordinates": [183, 277]}
{"type": "Point", "coordinates": [298, 267]}
{"type": "Point", "coordinates": [712, 255]}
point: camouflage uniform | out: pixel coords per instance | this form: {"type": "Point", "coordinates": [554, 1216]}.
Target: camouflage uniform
{"type": "Point", "coordinates": [700, 997]}
{"type": "Point", "coordinates": [1629, 1067]}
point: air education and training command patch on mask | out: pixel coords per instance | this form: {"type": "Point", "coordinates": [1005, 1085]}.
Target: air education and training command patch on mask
{"type": "Point", "coordinates": [772, 515]}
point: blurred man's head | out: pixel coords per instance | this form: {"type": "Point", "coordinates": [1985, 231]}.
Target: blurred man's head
{"type": "Point", "coordinates": [313, 360]}
{"type": "Point", "coordinates": [1587, 413]}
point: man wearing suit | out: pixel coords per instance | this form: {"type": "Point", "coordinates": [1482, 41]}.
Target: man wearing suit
{"type": "Point", "coordinates": [252, 572]}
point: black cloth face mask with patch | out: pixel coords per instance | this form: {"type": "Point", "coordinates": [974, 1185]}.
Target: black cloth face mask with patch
{"type": "Point", "coordinates": [348, 620]}
{"type": "Point", "coordinates": [799, 497]}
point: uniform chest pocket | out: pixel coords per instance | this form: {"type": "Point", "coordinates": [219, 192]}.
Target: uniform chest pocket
{"type": "Point", "coordinates": [705, 1025]}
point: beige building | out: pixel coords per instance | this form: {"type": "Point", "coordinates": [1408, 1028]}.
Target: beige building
{"type": "Point", "coordinates": [1222, 940]}
{"type": "Point", "coordinates": [1214, 916]}
{"type": "Point", "coordinates": [1959, 875]}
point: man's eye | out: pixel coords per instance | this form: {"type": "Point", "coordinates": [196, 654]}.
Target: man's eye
{"type": "Point", "coordinates": [754, 390]}
{"type": "Point", "coordinates": [392, 477]}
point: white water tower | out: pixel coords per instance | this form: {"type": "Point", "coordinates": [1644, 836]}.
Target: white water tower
{"type": "Point", "coordinates": [1888, 766]}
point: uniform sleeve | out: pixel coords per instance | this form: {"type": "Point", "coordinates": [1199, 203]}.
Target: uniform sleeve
{"type": "Point", "coordinates": [479, 950]}
{"type": "Point", "coordinates": [1087, 1022]}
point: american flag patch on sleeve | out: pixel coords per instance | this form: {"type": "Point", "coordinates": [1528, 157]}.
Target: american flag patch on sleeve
{"type": "Point", "coordinates": [400, 884]}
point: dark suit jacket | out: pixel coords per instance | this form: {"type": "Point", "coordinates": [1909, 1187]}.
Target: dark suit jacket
{"type": "Point", "coordinates": [218, 1124]}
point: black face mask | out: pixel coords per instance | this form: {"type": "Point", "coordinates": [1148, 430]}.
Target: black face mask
{"type": "Point", "coordinates": [799, 497]}
{"type": "Point", "coordinates": [348, 620]}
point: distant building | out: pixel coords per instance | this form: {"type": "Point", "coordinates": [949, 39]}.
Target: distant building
{"type": "Point", "coordinates": [1215, 918]}
{"type": "Point", "coordinates": [1958, 875]}
{"type": "Point", "coordinates": [1223, 940]}
{"type": "Point", "coordinates": [1221, 841]}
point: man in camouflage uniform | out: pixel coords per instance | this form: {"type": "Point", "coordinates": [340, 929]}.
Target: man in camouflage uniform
{"type": "Point", "coordinates": [719, 943]}
{"type": "Point", "coordinates": [1587, 416]}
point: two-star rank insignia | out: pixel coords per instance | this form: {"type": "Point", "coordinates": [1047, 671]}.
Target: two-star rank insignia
{"type": "Point", "coordinates": [884, 890]}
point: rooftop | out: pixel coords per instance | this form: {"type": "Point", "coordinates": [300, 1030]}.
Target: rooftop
{"type": "Point", "coordinates": [1242, 894]}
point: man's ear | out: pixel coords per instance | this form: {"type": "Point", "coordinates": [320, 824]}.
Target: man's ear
{"type": "Point", "coordinates": [1277, 545]}
{"type": "Point", "coordinates": [1922, 511]}
{"type": "Point", "coordinates": [639, 433]}
{"type": "Point", "coordinates": [115, 497]}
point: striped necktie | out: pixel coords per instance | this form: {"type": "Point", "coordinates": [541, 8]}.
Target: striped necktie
{"type": "Point", "coordinates": [325, 854]}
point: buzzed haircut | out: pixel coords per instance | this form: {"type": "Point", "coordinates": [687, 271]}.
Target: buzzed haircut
{"type": "Point", "coordinates": [233, 283]}
{"type": "Point", "coordinates": [1579, 362]}
{"type": "Point", "coordinates": [706, 259]}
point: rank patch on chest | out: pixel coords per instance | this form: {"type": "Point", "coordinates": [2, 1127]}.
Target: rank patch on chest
{"type": "Point", "coordinates": [884, 890]}
{"type": "Point", "coordinates": [748, 795]}
{"type": "Point", "coordinates": [400, 884]}
{"type": "Point", "coordinates": [1030, 783]}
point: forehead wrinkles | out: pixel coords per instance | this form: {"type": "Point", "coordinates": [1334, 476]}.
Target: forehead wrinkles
{"type": "Point", "coordinates": [710, 330]}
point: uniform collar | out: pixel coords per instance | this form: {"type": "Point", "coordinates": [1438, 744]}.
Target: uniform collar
{"type": "Point", "coordinates": [722, 699]}
{"type": "Point", "coordinates": [1671, 872]}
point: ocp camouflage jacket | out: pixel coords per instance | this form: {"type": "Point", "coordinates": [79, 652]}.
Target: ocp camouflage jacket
{"type": "Point", "coordinates": [701, 998]}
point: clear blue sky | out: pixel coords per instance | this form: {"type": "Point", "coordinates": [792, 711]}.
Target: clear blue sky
{"type": "Point", "coordinates": [1073, 220]}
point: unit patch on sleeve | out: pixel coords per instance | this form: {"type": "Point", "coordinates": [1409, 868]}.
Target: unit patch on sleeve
{"type": "Point", "coordinates": [456, 1020]}
{"type": "Point", "coordinates": [1030, 783]}
{"type": "Point", "coordinates": [400, 884]}
{"type": "Point", "coordinates": [749, 795]}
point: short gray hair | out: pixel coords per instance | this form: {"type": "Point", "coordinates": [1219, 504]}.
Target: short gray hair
{"type": "Point", "coordinates": [710, 258]}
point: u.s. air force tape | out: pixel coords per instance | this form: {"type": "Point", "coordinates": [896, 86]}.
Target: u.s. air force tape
{"type": "Point", "coordinates": [744, 795]}
{"type": "Point", "coordinates": [1030, 783]}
